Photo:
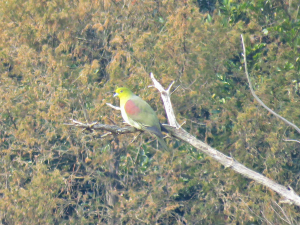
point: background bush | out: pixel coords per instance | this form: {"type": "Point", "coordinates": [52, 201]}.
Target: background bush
{"type": "Point", "coordinates": [63, 59]}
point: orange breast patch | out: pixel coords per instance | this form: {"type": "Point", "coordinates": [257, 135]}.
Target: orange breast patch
{"type": "Point", "coordinates": [131, 108]}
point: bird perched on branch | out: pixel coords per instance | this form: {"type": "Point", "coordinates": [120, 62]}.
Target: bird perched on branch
{"type": "Point", "coordinates": [139, 114]}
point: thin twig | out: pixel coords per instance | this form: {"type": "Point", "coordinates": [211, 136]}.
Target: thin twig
{"type": "Point", "coordinates": [133, 140]}
{"type": "Point", "coordinates": [255, 96]}
{"type": "Point", "coordinates": [114, 107]}
{"type": "Point", "coordinates": [106, 134]}
{"type": "Point", "coordinates": [170, 86]}
{"type": "Point", "coordinates": [291, 140]}
{"type": "Point", "coordinates": [287, 220]}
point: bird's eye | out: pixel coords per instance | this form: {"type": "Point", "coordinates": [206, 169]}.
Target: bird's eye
{"type": "Point", "coordinates": [121, 91]}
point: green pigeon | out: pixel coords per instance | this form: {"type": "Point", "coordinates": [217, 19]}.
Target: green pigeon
{"type": "Point", "coordinates": [139, 114]}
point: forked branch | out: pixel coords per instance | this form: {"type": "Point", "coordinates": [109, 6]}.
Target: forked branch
{"type": "Point", "coordinates": [289, 196]}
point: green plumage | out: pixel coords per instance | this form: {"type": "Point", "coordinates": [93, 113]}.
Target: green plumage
{"type": "Point", "coordinates": [139, 114]}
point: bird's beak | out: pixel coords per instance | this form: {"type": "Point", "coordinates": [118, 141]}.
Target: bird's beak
{"type": "Point", "coordinates": [116, 94]}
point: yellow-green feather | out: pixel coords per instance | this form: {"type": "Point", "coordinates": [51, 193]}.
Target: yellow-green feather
{"type": "Point", "coordinates": [145, 119]}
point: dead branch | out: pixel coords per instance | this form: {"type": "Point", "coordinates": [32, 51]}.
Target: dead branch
{"type": "Point", "coordinates": [257, 98]}
{"type": "Point", "coordinates": [288, 194]}
{"type": "Point", "coordinates": [97, 126]}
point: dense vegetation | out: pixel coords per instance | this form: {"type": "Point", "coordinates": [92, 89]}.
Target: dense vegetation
{"type": "Point", "coordinates": [63, 59]}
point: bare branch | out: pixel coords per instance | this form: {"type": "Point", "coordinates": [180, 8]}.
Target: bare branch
{"type": "Point", "coordinates": [114, 107]}
{"type": "Point", "coordinates": [97, 126]}
{"type": "Point", "coordinates": [229, 162]}
{"type": "Point", "coordinates": [291, 140]}
{"type": "Point", "coordinates": [170, 86]}
{"type": "Point", "coordinates": [287, 220]}
{"type": "Point", "coordinates": [176, 131]}
{"type": "Point", "coordinates": [288, 194]}
{"type": "Point", "coordinates": [255, 96]}
{"type": "Point", "coordinates": [165, 95]}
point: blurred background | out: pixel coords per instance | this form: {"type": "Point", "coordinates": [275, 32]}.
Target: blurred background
{"type": "Point", "coordinates": [62, 60]}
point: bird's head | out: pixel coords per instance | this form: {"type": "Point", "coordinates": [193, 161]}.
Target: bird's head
{"type": "Point", "coordinates": [123, 92]}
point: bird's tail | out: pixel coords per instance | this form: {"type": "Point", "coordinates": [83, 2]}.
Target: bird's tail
{"type": "Point", "coordinates": [159, 136]}
{"type": "Point", "coordinates": [163, 143]}
{"type": "Point", "coordinates": [163, 128]}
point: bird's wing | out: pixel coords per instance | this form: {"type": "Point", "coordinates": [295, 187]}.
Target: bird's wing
{"type": "Point", "coordinates": [141, 112]}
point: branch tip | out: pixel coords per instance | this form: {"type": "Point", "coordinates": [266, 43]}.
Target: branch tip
{"type": "Point", "coordinates": [170, 86]}
{"type": "Point", "coordinates": [112, 106]}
